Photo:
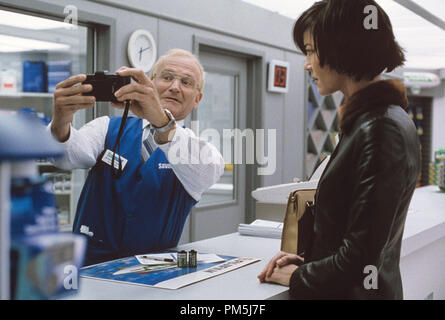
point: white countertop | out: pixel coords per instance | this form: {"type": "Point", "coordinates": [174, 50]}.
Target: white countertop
{"type": "Point", "coordinates": [240, 284]}
{"type": "Point", "coordinates": [425, 224]}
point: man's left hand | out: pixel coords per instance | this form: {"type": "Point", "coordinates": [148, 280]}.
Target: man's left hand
{"type": "Point", "coordinates": [145, 98]}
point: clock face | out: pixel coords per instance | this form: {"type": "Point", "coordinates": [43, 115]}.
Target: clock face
{"type": "Point", "coordinates": [141, 50]}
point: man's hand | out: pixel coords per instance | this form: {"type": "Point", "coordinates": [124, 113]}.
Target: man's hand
{"type": "Point", "coordinates": [145, 98]}
{"type": "Point", "coordinates": [280, 260]}
{"type": "Point", "coordinates": [68, 99]}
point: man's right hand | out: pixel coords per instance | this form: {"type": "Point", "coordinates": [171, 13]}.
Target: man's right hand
{"type": "Point", "coordinates": [68, 99]}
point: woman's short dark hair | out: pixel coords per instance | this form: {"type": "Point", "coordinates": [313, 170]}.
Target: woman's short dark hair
{"type": "Point", "coordinates": [344, 42]}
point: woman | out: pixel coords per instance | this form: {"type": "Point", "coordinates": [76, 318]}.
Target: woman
{"type": "Point", "coordinates": [364, 193]}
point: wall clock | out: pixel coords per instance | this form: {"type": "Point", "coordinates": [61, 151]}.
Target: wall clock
{"type": "Point", "coordinates": [141, 50]}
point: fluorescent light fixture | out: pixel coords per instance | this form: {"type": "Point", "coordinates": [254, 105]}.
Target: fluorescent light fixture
{"type": "Point", "coordinates": [25, 21]}
{"type": "Point", "coordinates": [31, 44]}
{"type": "Point", "coordinates": [8, 48]}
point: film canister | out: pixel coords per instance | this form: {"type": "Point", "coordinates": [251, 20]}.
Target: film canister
{"type": "Point", "coordinates": [193, 260]}
{"type": "Point", "coordinates": [182, 259]}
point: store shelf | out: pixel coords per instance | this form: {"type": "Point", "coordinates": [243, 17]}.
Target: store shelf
{"type": "Point", "coordinates": [420, 111]}
{"type": "Point", "coordinates": [66, 228]}
{"type": "Point", "coordinates": [26, 94]}
{"type": "Point", "coordinates": [49, 168]}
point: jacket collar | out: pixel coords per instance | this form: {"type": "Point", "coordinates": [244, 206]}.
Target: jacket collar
{"type": "Point", "coordinates": [375, 97]}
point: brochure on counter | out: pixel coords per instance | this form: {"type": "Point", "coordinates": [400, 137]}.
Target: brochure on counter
{"type": "Point", "coordinates": [161, 270]}
{"type": "Point", "coordinates": [262, 228]}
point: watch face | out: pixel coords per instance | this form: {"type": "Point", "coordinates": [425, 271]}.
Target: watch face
{"type": "Point", "coordinates": [141, 50]}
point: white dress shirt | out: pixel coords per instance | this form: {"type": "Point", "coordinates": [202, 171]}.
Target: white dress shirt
{"type": "Point", "coordinates": [84, 146]}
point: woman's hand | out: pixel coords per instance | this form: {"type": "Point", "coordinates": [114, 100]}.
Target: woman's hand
{"type": "Point", "coordinates": [280, 260]}
{"type": "Point", "coordinates": [282, 275]}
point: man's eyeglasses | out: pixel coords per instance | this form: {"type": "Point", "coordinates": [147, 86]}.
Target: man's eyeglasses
{"type": "Point", "coordinates": [169, 77]}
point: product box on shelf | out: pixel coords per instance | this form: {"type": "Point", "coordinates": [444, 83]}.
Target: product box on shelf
{"type": "Point", "coordinates": [8, 80]}
{"type": "Point", "coordinates": [57, 72]}
{"type": "Point", "coordinates": [34, 76]}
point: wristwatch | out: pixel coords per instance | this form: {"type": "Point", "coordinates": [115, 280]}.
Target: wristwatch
{"type": "Point", "coordinates": [171, 123]}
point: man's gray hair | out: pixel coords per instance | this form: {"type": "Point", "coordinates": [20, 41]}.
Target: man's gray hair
{"type": "Point", "coordinates": [179, 53]}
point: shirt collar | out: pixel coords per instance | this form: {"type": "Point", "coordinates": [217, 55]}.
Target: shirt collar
{"type": "Point", "coordinates": [145, 123]}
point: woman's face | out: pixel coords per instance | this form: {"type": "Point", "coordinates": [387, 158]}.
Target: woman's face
{"type": "Point", "coordinates": [327, 80]}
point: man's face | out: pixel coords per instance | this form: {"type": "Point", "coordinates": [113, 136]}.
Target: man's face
{"type": "Point", "coordinates": [177, 80]}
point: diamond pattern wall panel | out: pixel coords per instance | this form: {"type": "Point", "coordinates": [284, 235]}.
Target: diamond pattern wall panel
{"type": "Point", "coordinates": [322, 125]}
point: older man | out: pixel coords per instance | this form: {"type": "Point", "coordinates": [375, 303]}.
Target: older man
{"type": "Point", "coordinates": [146, 208]}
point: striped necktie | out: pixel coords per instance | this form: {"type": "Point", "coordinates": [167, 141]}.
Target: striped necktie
{"type": "Point", "coordinates": [148, 146]}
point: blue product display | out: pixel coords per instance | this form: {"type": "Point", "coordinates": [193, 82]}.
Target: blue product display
{"type": "Point", "coordinates": [33, 207]}
{"type": "Point", "coordinates": [44, 206]}
{"type": "Point", "coordinates": [24, 138]}
{"type": "Point", "coordinates": [59, 66]}
{"type": "Point", "coordinates": [57, 72]}
{"type": "Point", "coordinates": [28, 112]}
{"type": "Point", "coordinates": [21, 207]}
{"type": "Point", "coordinates": [31, 112]}
{"type": "Point", "coordinates": [40, 255]}
{"type": "Point", "coordinates": [55, 77]}
{"type": "Point", "coordinates": [42, 266]}
{"type": "Point", "coordinates": [34, 76]}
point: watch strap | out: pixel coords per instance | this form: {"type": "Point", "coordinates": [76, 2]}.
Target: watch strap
{"type": "Point", "coordinates": [171, 123]}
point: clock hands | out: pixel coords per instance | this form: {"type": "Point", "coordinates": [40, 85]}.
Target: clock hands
{"type": "Point", "coordinates": [142, 50]}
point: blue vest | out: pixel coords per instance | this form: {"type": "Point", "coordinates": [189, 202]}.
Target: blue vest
{"type": "Point", "coordinates": [143, 211]}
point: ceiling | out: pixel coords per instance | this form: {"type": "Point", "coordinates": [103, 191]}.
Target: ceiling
{"type": "Point", "coordinates": [423, 41]}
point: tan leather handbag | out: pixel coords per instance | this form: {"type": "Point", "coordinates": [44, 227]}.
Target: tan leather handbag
{"type": "Point", "coordinates": [298, 227]}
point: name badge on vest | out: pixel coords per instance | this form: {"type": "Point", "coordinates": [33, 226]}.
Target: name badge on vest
{"type": "Point", "coordinates": [108, 157]}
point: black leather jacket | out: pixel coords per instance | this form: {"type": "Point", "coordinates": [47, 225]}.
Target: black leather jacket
{"type": "Point", "coordinates": [360, 207]}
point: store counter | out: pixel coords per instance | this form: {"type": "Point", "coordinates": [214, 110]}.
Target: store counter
{"type": "Point", "coordinates": [423, 249]}
{"type": "Point", "coordinates": [422, 261]}
{"type": "Point", "coordinates": [241, 283]}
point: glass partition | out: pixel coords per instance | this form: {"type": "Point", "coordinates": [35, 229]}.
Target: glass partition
{"type": "Point", "coordinates": [216, 119]}
{"type": "Point", "coordinates": [35, 54]}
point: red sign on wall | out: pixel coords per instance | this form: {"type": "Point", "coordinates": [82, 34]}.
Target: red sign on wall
{"type": "Point", "coordinates": [278, 76]}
